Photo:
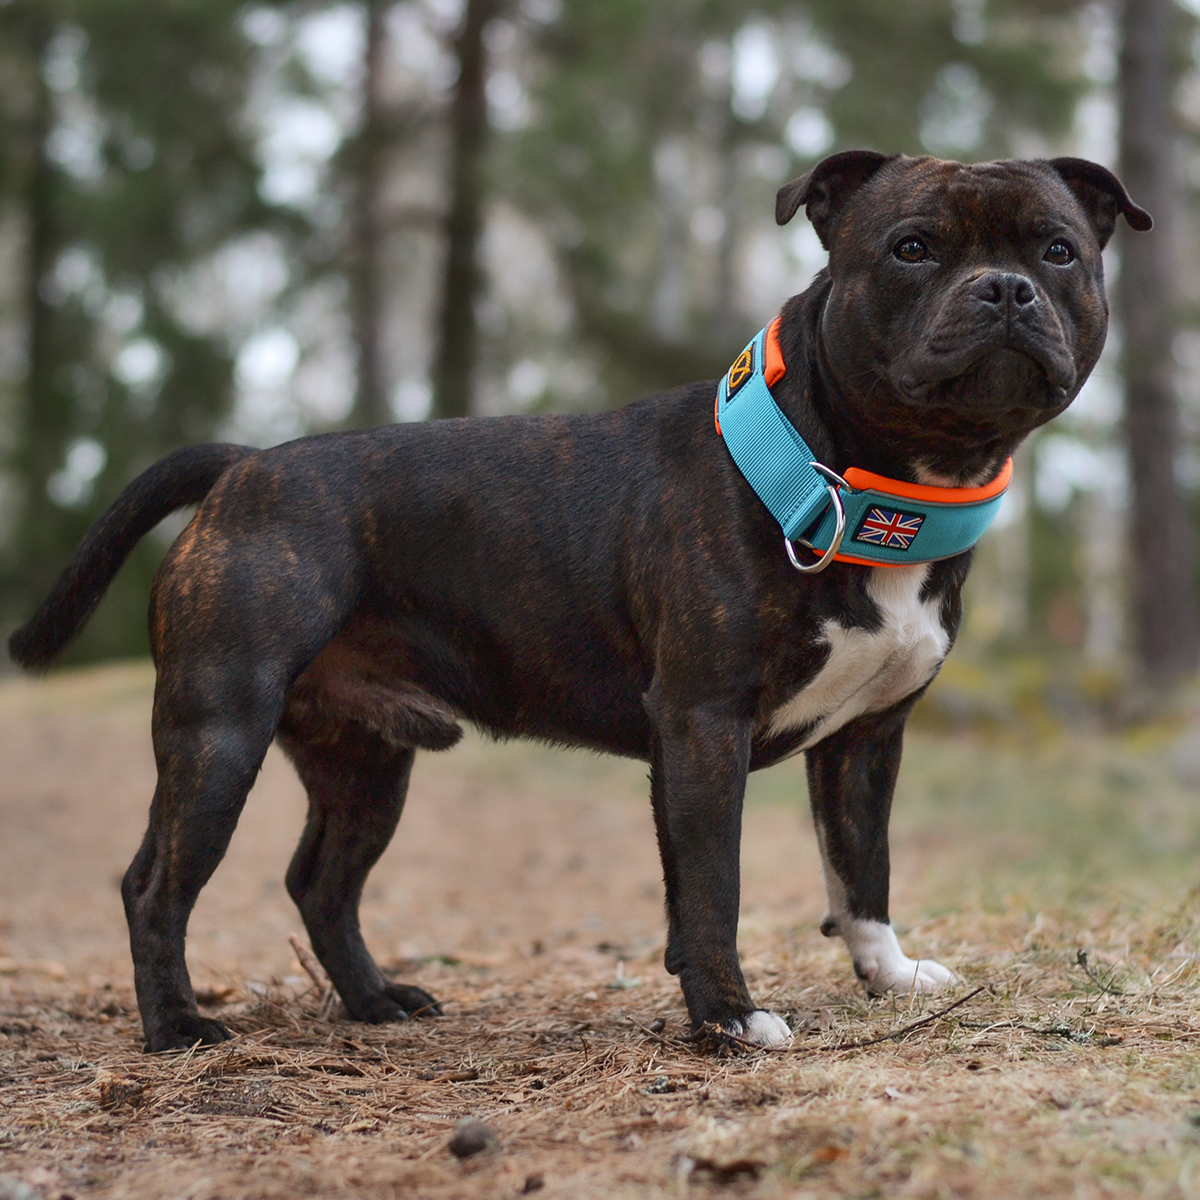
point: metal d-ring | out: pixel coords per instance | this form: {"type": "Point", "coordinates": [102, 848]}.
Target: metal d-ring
{"type": "Point", "coordinates": [839, 529]}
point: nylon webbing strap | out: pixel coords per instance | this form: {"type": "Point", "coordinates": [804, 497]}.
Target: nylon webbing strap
{"type": "Point", "coordinates": [768, 451]}
{"type": "Point", "coordinates": [888, 522]}
{"type": "Point", "coordinates": [897, 530]}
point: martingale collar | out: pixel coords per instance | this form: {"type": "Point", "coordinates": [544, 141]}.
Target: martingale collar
{"type": "Point", "coordinates": [887, 522]}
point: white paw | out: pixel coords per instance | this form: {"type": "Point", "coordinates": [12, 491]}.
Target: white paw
{"type": "Point", "coordinates": [763, 1028]}
{"type": "Point", "coordinates": [908, 975]}
{"type": "Point", "coordinates": [884, 967]}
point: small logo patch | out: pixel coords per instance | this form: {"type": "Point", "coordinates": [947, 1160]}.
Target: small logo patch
{"type": "Point", "coordinates": [887, 527]}
{"type": "Point", "coordinates": [740, 371]}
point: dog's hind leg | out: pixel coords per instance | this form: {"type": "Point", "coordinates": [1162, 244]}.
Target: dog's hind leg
{"type": "Point", "coordinates": [211, 732]}
{"type": "Point", "coordinates": [851, 777]}
{"type": "Point", "coordinates": [356, 785]}
{"type": "Point", "coordinates": [238, 611]}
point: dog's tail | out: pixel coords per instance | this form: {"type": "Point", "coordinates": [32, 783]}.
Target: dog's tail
{"type": "Point", "coordinates": [180, 479]}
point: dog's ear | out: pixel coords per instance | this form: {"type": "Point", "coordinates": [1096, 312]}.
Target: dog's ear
{"type": "Point", "coordinates": [1102, 195]}
{"type": "Point", "coordinates": [827, 187]}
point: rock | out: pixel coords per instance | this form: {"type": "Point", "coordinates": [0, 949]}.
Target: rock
{"type": "Point", "coordinates": [12, 1188]}
{"type": "Point", "coordinates": [116, 1091]}
{"type": "Point", "coordinates": [472, 1137]}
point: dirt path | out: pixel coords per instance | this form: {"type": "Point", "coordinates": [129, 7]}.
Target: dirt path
{"type": "Point", "coordinates": [502, 848]}
{"type": "Point", "coordinates": [523, 890]}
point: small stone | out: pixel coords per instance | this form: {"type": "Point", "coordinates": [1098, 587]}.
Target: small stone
{"type": "Point", "coordinates": [472, 1136]}
{"type": "Point", "coordinates": [116, 1091]}
{"type": "Point", "coordinates": [624, 983]}
{"type": "Point", "coordinates": [661, 1085]}
{"type": "Point", "coordinates": [12, 1188]}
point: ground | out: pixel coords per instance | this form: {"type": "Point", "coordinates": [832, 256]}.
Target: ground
{"type": "Point", "coordinates": [1051, 871]}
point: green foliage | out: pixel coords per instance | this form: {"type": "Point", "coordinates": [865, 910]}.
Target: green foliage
{"type": "Point", "coordinates": [132, 163]}
{"type": "Point", "coordinates": [624, 83]}
{"type": "Point", "coordinates": [128, 157]}
{"type": "Point", "coordinates": [1025, 60]}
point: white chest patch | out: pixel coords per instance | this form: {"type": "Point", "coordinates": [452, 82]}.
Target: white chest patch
{"type": "Point", "coordinates": [868, 671]}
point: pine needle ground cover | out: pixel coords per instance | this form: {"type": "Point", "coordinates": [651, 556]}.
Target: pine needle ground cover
{"type": "Point", "coordinates": [1055, 874]}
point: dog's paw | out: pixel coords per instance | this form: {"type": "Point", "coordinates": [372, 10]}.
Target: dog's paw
{"type": "Point", "coordinates": [415, 1001]}
{"type": "Point", "coordinates": [884, 967]}
{"type": "Point", "coordinates": [396, 1002]}
{"type": "Point", "coordinates": [908, 975]}
{"type": "Point", "coordinates": [763, 1028]}
{"type": "Point", "coordinates": [183, 1032]}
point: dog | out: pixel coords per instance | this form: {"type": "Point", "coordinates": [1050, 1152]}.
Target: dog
{"type": "Point", "coordinates": [611, 581]}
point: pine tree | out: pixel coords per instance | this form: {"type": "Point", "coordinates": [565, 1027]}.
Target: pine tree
{"type": "Point", "coordinates": [128, 162]}
{"type": "Point", "coordinates": [1167, 640]}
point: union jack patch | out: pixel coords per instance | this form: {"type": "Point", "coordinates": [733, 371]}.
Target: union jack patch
{"type": "Point", "coordinates": [887, 527]}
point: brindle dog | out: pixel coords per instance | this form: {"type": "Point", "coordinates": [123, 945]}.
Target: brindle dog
{"type": "Point", "coordinates": [607, 581]}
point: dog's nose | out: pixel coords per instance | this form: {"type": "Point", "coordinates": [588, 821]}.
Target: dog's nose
{"type": "Point", "coordinates": [1004, 289]}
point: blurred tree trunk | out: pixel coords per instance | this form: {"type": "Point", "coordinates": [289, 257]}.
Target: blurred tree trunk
{"type": "Point", "coordinates": [166, 176]}
{"type": "Point", "coordinates": [1164, 609]}
{"type": "Point", "coordinates": [457, 348]}
{"type": "Point", "coordinates": [44, 420]}
{"type": "Point", "coordinates": [366, 274]}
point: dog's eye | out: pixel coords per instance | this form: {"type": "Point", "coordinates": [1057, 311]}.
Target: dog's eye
{"type": "Point", "coordinates": [1060, 253]}
{"type": "Point", "coordinates": [911, 250]}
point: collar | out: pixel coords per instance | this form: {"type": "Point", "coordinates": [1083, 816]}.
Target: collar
{"type": "Point", "coordinates": [862, 518]}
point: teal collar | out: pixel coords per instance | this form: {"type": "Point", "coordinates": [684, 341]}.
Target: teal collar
{"type": "Point", "coordinates": [862, 518]}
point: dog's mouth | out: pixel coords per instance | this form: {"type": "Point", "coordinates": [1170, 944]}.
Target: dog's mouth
{"type": "Point", "coordinates": [1001, 379]}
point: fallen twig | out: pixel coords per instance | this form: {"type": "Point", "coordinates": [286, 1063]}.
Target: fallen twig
{"type": "Point", "coordinates": [1105, 985]}
{"type": "Point", "coordinates": [658, 1037]}
{"type": "Point", "coordinates": [1061, 1031]}
{"type": "Point", "coordinates": [898, 1033]}
{"type": "Point", "coordinates": [712, 1030]}
{"type": "Point", "coordinates": [321, 981]}
{"type": "Point", "coordinates": [467, 1076]}
{"type": "Point", "coordinates": [308, 961]}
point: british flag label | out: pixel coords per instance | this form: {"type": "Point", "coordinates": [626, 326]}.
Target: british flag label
{"type": "Point", "coordinates": [888, 527]}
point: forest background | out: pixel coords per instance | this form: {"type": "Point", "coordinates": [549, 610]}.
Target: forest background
{"type": "Point", "coordinates": [249, 222]}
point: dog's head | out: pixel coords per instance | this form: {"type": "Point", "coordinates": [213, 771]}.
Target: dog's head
{"type": "Point", "coordinates": [965, 303]}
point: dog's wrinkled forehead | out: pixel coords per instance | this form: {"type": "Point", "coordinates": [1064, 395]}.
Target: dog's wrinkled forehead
{"type": "Point", "coordinates": [991, 206]}
{"type": "Point", "coordinates": [848, 195]}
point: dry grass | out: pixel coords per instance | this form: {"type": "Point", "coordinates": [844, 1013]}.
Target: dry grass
{"type": "Point", "coordinates": [1072, 1073]}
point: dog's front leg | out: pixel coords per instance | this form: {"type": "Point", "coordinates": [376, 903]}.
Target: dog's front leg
{"type": "Point", "coordinates": [698, 781]}
{"type": "Point", "coordinates": [851, 778]}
